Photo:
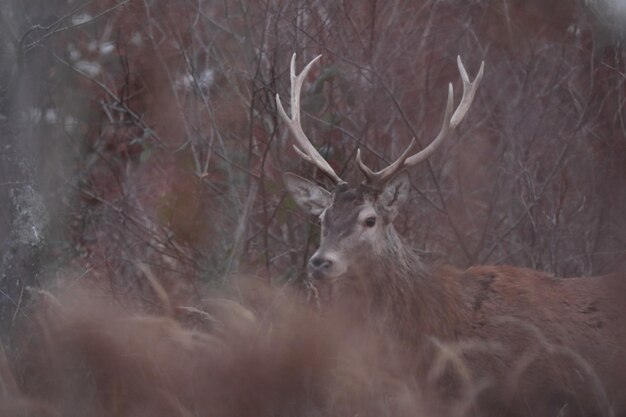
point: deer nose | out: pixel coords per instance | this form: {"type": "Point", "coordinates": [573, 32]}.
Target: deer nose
{"type": "Point", "coordinates": [320, 263]}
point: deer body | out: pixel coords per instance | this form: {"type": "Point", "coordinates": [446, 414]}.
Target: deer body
{"type": "Point", "coordinates": [563, 341]}
{"type": "Point", "coordinates": [530, 344]}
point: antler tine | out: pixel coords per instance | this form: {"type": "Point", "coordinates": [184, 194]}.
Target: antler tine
{"type": "Point", "coordinates": [380, 177]}
{"type": "Point", "coordinates": [450, 121]}
{"type": "Point", "coordinates": [446, 127]}
{"type": "Point", "coordinates": [303, 145]}
{"type": "Point", "coordinates": [469, 91]}
{"type": "Point", "coordinates": [384, 174]}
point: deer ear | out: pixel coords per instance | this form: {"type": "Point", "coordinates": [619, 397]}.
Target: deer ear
{"type": "Point", "coordinates": [309, 196]}
{"type": "Point", "coordinates": [394, 195]}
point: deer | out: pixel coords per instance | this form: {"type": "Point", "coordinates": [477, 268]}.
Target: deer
{"type": "Point", "coordinates": [540, 345]}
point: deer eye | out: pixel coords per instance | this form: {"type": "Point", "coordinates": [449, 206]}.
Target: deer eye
{"type": "Point", "coordinates": [370, 221]}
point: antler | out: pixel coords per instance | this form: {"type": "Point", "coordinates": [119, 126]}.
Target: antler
{"type": "Point", "coordinates": [304, 148]}
{"type": "Point", "coordinates": [450, 121]}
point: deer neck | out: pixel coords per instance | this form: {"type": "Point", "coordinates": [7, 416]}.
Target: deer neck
{"type": "Point", "coordinates": [415, 300]}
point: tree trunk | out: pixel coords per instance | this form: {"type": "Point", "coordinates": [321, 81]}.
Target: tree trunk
{"type": "Point", "coordinates": [23, 214]}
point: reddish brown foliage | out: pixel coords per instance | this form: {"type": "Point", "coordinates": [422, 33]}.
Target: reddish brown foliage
{"type": "Point", "coordinates": [170, 155]}
{"type": "Point", "coordinates": [89, 359]}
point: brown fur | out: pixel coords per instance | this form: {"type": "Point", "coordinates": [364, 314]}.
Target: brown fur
{"type": "Point", "coordinates": [522, 342]}
{"type": "Point", "coordinates": [533, 344]}
{"type": "Point", "coordinates": [569, 332]}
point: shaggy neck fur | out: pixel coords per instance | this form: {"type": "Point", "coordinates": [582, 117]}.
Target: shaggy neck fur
{"type": "Point", "coordinates": [408, 296]}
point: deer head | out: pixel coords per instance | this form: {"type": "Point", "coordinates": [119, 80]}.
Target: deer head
{"type": "Point", "coordinates": [357, 222]}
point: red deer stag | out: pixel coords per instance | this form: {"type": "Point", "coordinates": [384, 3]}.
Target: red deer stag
{"type": "Point", "coordinates": [539, 345]}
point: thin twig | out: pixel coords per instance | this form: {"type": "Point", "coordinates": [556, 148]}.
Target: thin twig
{"type": "Point", "coordinates": [67, 27]}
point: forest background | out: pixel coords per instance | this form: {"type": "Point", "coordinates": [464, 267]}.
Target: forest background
{"type": "Point", "coordinates": [141, 137]}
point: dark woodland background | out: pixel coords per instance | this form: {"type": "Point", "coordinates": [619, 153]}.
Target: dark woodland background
{"type": "Point", "coordinates": [141, 162]}
{"type": "Point", "coordinates": [140, 138]}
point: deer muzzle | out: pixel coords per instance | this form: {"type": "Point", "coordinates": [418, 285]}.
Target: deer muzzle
{"type": "Point", "coordinates": [325, 264]}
